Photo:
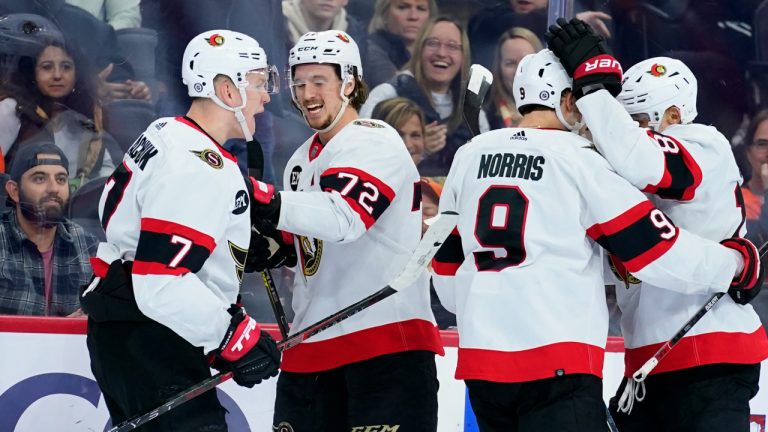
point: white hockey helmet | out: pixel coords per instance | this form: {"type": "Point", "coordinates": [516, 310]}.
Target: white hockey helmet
{"type": "Point", "coordinates": [327, 47]}
{"type": "Point", "coordinates": [653, 85]}
{"type": "Point", "coordinates": [229, 53]}
{"type": "Point", "coordinates": [540, 80]}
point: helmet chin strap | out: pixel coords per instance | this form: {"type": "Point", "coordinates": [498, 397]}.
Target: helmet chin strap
{"type": "Point", "coordinates": [238, 110]}
{"type": "Point", "coordinates": [574, 127]}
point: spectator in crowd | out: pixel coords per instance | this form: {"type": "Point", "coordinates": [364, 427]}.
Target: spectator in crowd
{"type": "Point", "coordinates": [514, 44]}
{"type": "Point", "coordinates": [95, 38]}
{"type": "Point", "coordinates": [408, 119]}
{"type": "Point", "coordinates": [433, 80]}
{"type": "Point", "coordinates": [755, 174]}
{"type": "Point", "coordinates": [487, 25]}
{"type": "Point", "coordinates": [43, 255]}
{"type": "Point", "coordinates": [119, 14]}
{"type": "Point", "coordinates": [393, 31]}
{"type": "Point", "coordinates": [54, 99]}
{"type": "Point", "coordinates": [303, 16]}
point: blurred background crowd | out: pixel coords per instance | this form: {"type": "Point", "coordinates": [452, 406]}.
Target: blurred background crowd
{"type": "Point", "coordinates": [88, 76]}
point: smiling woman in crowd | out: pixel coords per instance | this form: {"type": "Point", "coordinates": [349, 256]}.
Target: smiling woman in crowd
{"type": "Point", "coordinates": [433, 80]}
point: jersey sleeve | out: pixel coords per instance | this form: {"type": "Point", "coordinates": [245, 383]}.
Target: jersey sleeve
{"type": "Point", "coordinates": [625, 223]}
{"type": "Point", "coordinates": [181, 218]}
{"type": "Point", "coordinates": [652, 162]}
{"type": "Point", "coordinates": [357, 187]}
{"type": "Point", "coordinates": [450, 256]}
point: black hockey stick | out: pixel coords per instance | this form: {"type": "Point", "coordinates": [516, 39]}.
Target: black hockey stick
{"type": "Point", "coordinates": [256, 170]}
{"type": "Point", "coordinates": [630, 394]}
{"type": "Point", "coordinates": [438, 231]}
{"type": "Point", "coordinates": [478, 84]}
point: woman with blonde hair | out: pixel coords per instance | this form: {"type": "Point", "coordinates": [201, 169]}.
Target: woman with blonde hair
{"type": "Point", "coordinates": [407, 119]}
{"type": "Point", "coordinates": [433, 79]}
{"type": "Point", "coordinates": [392, 32]}
{"type": "Point", "coordinates": [513, 45]}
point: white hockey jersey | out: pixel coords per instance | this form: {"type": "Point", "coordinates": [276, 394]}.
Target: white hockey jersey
{"type": "Point", "coordinates": [524, 269]}
{"type": "Point", "coordinates": [354, 206]}
{"type": "Point", "coordinates": [178, 207]}
{"type": "Point", "coordinates": [691, 172]}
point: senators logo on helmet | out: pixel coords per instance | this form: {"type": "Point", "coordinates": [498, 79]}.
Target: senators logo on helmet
{"type": "Point", "coordinates": [216, 40]}
{"type": "Point", "coordinates": [657, 70]}
{"type": "Point", "coordinates": [342, 37]}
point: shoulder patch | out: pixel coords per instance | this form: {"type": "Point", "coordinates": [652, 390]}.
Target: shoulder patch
{"type": "Point", "coordinates": [210, 157]}
{"type": "Point", "coordinates": [368, 124]}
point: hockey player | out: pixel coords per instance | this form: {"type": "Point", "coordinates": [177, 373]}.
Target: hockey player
{"type": "Point", "coordinates": [177, 222]}
{"type": "Point", "coordinates": [353, 206]}
{"type": "Point", "coordinates": [524, 268]}
{"type": "Point", "coordinates": [707, 380]}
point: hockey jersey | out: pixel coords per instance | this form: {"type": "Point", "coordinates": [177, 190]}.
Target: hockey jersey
{"type": "Point", "coordinates": [690, 173]}
{"type": "Point", "coordinates": [523, 271]}
{"type": "Point", "coordinates": [354, 207]}
{"type": "Point", "coordinates": [178, 207]}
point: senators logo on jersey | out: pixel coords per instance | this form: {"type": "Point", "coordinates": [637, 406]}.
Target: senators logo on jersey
{"type": "Point", "coordinates": [210, 157]}
{"type": "Point", "coordinates": [311, 252]}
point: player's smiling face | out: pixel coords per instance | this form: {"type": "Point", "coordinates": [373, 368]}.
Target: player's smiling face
{"type": "Point", "coordinates": [316, 91]}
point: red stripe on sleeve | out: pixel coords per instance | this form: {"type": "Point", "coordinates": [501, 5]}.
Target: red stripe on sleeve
{"type": "Point", "coordinates": [621, 221]}
{"type": "Point", "coordinates": [639, 262]}
{"type": "Point", "coordinates": [153, 268]}
{"type": "Point", "coordinates": [168, 227]}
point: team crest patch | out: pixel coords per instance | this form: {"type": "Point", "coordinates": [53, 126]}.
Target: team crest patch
{"type": "Point", "coordinates": [622, 273]}
{"type": "Point", "coordinates": [215, 40]}
{"type": "Point", "coordinates": [238, 255]}
{"type": "Point", "coordinates": [311, 250]}
{"type": "Point", "coordinates": [658, 70]}
{"type": "Point", "coordinates": [210, 157]}
{"type": "Point", "coordinates": [283, 427]}
{"type": "Point", "coordinates": [368, 123]}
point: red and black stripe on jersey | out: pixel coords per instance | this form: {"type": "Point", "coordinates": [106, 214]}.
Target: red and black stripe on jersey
{"type": "Point", "coordinates": [449, 257]}
{"type": "Point", "coordinates": [367, 195]}
{"type": "Point", "coordinates": [120, 177]}
{"type": "Point", "coordinates": [168, 248]}
{"type": "Point", "coordinates": [637, 237]}
{"type": "Point", "coordinates": [682, 175]}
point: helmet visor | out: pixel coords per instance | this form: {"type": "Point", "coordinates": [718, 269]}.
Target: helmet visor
{"type": "Point", "coordinates": [266, 79]}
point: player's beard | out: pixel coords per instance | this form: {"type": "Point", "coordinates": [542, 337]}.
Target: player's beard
{"type": "Point", "coordinates": [42, 214]}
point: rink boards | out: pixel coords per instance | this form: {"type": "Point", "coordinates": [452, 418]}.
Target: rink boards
{"type": "Point", "coordinates": [46, 383]}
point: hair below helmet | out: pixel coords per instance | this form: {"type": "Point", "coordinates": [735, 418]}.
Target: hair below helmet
{"type": "Point", "coordinates": [652, 86]}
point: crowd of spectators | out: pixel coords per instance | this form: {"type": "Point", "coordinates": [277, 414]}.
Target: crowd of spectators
{"type": "Point", "coordinates": [64, 64]}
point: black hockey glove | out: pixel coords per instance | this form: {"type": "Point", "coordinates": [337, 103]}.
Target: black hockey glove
{"type": "Point", "coordinates": [747, 285]}
{"type": "Point", "coordinates": [269, 248]}
{"type": "Point", "coordinates": [249, 353]}
{"type": "Point", "coordinates": [265, 205]}
{"type": "Point", "coordinates": [584, 56]}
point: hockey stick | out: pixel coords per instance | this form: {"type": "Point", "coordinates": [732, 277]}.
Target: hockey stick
{"type": "Point", "coordinates": [635, 388]}
{"type": "Point", "coordinates": [478, 84]}
{"type": "Point", "coordinates": [438, 231]}
{"type": "Point", "coordinates": [256, 170]}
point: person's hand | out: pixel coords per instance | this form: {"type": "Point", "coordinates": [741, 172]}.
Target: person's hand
{"type": "Point", "coordinates": [265, 205]}
{"type": "Point", "coordinates": [584, 57]}
{"type": "Point", "coordinates": [435, 138]}
{"type": "Point", "coordinates": [76, 314]}
{"type": "Point", "coordinates": [596, 20]}
{"type": "Point", "coordinates": [747, 284]}
{"type": "Point", "coordinates": [269, 248]}
{"type": "Point", "coordinates": [246, 351]}
{"type": "Point", "coordinates": [139, 90]}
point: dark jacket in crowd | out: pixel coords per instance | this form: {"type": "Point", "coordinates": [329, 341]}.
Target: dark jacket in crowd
{"type": "Point", "coordinates": [439, 163]}
{"type": "Point", "coordinates": [387, 53]}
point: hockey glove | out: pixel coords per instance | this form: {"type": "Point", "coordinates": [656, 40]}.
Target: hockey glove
{"type": "Point", "coordinates": [250, 354]}
{"type": "Point", "coordinates": [266, 202]}
{"type": "Point", "coordinates": [269, 248]}
{"type": "Point", "coordinates": [584, 56]}
{"type": "Point", "coordinates": [747, 285]}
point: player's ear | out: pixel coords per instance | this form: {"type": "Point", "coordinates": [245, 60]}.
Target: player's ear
{"type": "Point", "coordinates": [349, 88]}
{"type": "Point", "coordinates": [673, 115]}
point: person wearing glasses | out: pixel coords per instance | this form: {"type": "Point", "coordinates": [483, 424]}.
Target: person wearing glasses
{"type": "Point", "coordinates": [433, 79]}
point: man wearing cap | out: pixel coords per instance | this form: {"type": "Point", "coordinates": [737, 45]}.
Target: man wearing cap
{"type": "Point", "coordinates": [43, 255]}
